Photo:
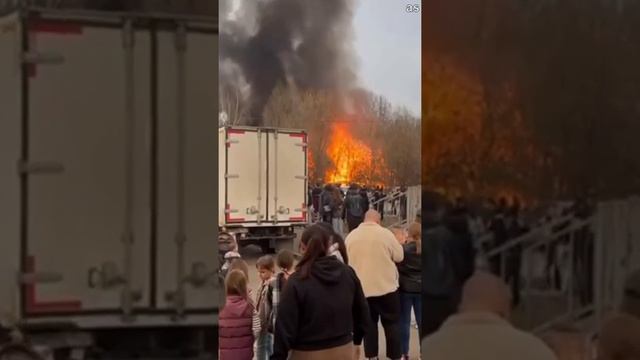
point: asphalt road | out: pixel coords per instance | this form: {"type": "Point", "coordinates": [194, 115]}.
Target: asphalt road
{"type": "Point", "coordinates": [251, 254]}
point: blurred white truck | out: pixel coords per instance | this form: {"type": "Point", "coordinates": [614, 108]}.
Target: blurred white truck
{"type": "Point", "coordinates": [107, 175]}
{"type": "Point", "coordinates": [262, 185]}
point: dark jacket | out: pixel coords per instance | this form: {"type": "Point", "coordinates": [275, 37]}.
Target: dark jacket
{"type": "Point", "coordinates": [325, 310]}
{"type": "Point", "coordinates": [448, 257]}
{"type": "Point", "coordinates": [355, 205]}
{"type": "Point", "coordinates": [410, 270]}
{"type": "Point", "coordinates": [462, 243]}
{"type": "Point", "coordinates": [439, 277]}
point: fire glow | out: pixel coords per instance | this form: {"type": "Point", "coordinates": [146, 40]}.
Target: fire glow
{"type": "Point", "coordinates": [351, 159]}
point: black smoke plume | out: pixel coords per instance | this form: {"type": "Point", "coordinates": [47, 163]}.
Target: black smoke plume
{"type": "Point", "coordinates": [306, 43]}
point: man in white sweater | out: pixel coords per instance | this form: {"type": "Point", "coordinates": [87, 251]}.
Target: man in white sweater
{"type": "Point", "coordinates": [481, 329]}
{"type": "Point", "coordinates": [373, 253]}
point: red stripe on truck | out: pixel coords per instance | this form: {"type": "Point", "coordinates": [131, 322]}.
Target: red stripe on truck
{"type": "Point", "coordinates": [40, 26]}
{"type": "Point", "coordinates": [302, 136]}
{"type": "Point", "coordinates": [34, 306]}
{"type": "Point", "coordinates": [234, 132]}
{"type": "Point", "coordinates": [55, 27]}
{"type": "Point", "coordinates": [229, 218]}
{"type": "Point", "coordinates": [300, 218]}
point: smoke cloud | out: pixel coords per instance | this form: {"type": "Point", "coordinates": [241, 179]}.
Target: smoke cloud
{"type": "Point", "coordinates": [306, 43]}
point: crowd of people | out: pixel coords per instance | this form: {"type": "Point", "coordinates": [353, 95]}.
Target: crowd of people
{"type": "Point", "coordinates": [337, 205]}
{"type": "Point", "coordinates": [466, 311]}
{"type": "Point", "coordinates": [329, 304]}
{"type": "Point", "coordinates": [498, 224]}
{"type": "Point", "coordinates": [343, 289]}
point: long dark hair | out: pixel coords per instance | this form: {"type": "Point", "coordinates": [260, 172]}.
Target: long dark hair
{"type": "Point", "coordinates": [336, 238]}
{"type": "Point", "coordinates": [317, 241]}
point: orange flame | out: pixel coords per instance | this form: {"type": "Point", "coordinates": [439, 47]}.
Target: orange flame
{"type": "Point", "coordinates": [351, 159]}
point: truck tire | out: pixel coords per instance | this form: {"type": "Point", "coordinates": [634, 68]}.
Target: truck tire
{"type": "Point", "coordinates": [267, 249]}
{"type": "Point", "coordinates": [285, 244]}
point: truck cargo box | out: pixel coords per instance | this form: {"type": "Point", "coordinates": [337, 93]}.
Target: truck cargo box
{"type": "Point", "coordinates": [262, 180]}
{"type": "Point", "coordinates": [107, 168]}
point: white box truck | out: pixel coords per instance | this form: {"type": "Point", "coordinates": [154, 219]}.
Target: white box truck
{"type": "Point", "coordinates": [263, 185]}
{"type": "Point", "coordinates": [107, 172]}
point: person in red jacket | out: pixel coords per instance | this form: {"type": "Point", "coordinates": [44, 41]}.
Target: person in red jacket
{"type": "Point", "coordinates": [236, 334]}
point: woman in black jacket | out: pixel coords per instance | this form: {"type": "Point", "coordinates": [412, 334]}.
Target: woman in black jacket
{"type": "Point", "coordinates": [323, 311]}
{"type": "Point", "coordinates": [410, 270]}
{"type": "Point", "coordinates": [338, 247]}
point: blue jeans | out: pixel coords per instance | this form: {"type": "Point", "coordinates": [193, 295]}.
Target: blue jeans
{"type": "Point", "coordinates": [264, 346]}
{"type": "Point", "coordinates": [408, 301]}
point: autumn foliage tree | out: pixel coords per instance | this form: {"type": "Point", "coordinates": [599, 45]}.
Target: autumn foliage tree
{"type": "Point", "coordinates": [533, 98]}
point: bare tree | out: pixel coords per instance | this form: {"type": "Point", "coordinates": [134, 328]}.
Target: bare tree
{"type": "Point", "coordinates": [234, 106]}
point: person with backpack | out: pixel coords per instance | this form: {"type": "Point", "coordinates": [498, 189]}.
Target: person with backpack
{"type": "Point", "coordinates": [443, 266]}
{"type": "Point", "coordinates": [328, 203]}
{"type": "Point", "coordinates": [324, 204]}
{"type": "Point", "coordinates": [355, 205]}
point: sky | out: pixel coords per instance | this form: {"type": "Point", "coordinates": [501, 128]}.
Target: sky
{"type": "Point", "coordinates": [388, 45]}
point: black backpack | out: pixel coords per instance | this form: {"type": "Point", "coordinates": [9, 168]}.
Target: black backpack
{"type": "Point", "coordinates": [354, 205]}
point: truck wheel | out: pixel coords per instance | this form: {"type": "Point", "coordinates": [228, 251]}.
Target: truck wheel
{"type": "Point", "coordinates": [286, 244]}
{"type": "Point", "coordinates": [266, 249]}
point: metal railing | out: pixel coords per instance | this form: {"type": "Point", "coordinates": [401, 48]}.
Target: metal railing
{"type": "Point", "coordinates": [391, 205]}
{"type": "Point", "coordinates": [551, 270]}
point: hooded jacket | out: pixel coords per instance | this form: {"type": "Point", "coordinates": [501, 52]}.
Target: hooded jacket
{"type": "Point", "coordinates": [325, 310]}
{"type": "Point", "coordinates": [235, 329]}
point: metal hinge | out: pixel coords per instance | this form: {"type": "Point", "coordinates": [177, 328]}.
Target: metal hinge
{"type": "Point", "coordinates": [32, 57]}
{"type": "Point", "coordinates": [181, 37]}
{"type": "Point", "coordinates": [230, 211]}
{"type": "Point", "coordinates": [301, 177]}
{"type": "Point", "coordinates": [41, 167]}
{"type": "Point", "coordinates": [128, 35]}
{"type": "Point", "coordinates": [40, 277]}
{"type": "Point", "coordinates": [232, 176]}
